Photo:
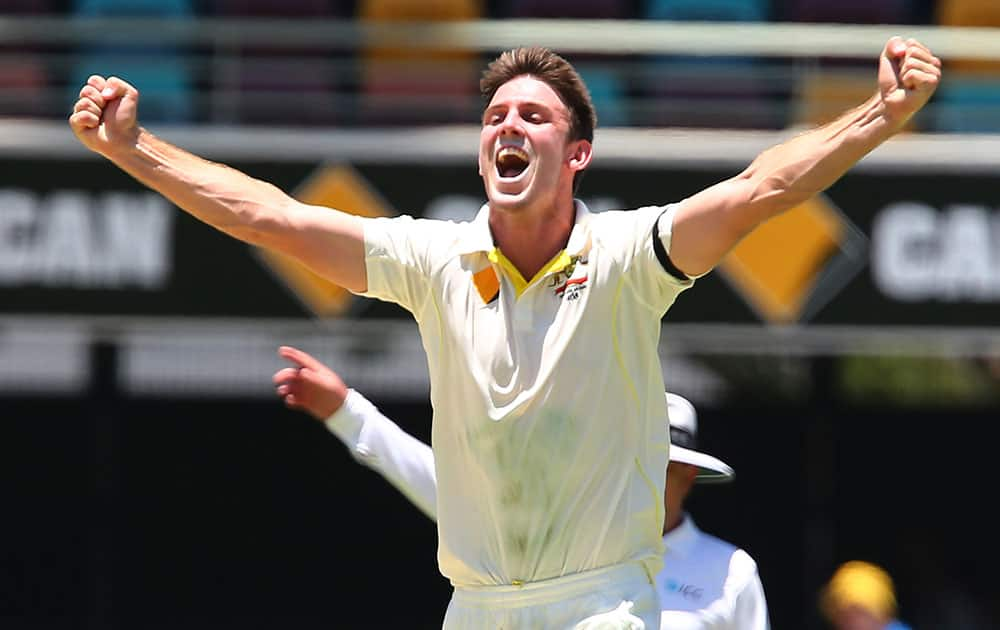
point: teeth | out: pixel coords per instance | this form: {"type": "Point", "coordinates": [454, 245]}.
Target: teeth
{"type": "Point", "coordinates": [514, 151]}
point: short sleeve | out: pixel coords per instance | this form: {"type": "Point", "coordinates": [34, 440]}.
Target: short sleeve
{"type": "Point", "coordinates": [398, 259]}
{"type": "Point", "coordinates": [653, 278]}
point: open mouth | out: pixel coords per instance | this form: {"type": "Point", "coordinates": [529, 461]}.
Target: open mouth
{"type": "Point", "coordinates": [511, 162]}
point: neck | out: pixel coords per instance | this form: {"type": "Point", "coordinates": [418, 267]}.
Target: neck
{"type": "Point", "coordinates": [530, 237]}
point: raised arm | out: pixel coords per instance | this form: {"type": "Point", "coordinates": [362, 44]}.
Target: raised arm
{"type": "Point", "coordinates": [710, 223]}
{"type": "Point", "coordinates": [331, 243]}
{"type": "Point", "coordinates": [373, 439]}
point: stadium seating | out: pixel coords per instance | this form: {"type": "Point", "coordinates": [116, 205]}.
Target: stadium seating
{"type": "Point", "coordinates": [850, 11]}
{"type": "Point", "coordinates": [134, 8]}
{"type": "Point", "coordinates": [258, 82]}
{"type": "Point", "coordinates": [968, 13]}
{"type": "Point", "coordinates": [23, 74]}
{"type": "Point", "coordinates": [690, 91]}
{"type": "Point", "coordinates": [589, 9]}
{"type": "Point", "coordinates": [22, 7]}
{"type": "Point", "coordinates": [160, 72]}
{"type": "Point", "coordinates": [969, 98]}
{"type": "Point", "coordinates": [280, 8]}
{"type": "Point", "coordinates": [967, 106]}
{"type": "Point", "coordinates": [434, 86]}
{"type": "Point", "coordinates": [710, 10]}
{"type": "Point", "coordinates": [608, 93]}
{"type": "Point", "coordinates": [825, 94]}
{"type": "Point", "coordinates": [837, 85]}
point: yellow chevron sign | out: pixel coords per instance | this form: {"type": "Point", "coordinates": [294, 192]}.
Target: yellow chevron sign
{"type": "Point", "coordinates": [339, 187]}
{"type": "Point", "coordinates": [791, 263]}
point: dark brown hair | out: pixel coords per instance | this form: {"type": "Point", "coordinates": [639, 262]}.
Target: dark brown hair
{"type": "Point", "coordinates": [558, 74]}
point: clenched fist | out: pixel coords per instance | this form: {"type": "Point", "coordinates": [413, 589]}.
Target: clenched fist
{"type": "Point", "coordinates": [104, 118]}
{"type": "Point", "coordinates": [908, 74]}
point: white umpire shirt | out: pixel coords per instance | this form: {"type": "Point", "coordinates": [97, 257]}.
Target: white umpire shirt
{"type": "Point", "coordinates": [706, 583]}
{"type": "Point", "coordinates": [549, 429]}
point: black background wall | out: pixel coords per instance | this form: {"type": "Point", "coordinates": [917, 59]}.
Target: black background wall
{"type": "Point", "coordinates": [153, 513]}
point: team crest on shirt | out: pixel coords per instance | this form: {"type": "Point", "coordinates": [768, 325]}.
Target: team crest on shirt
{"type": "Point", "coordinates": [570, 282]}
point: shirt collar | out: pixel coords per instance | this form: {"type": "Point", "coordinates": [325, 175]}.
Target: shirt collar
{"type": "Point", "coordinates": [480, 238]}
{"type": "Point", "coordinates": [682, 539]}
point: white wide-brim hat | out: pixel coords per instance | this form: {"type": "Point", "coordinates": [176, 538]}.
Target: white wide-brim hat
{"type": "Point", "coordinates": [684, 440]}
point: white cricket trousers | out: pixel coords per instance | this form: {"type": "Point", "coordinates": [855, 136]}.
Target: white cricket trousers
{"type": "Point", "coordinates": [619, 597]}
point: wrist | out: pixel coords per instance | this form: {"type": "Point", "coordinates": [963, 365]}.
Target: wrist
{"type": "Point", "coordinates": [127, 144]}
{"type": "Point", "coordinates": [891, 116]}
{"type": "Point", "coordinates": [349, 412]}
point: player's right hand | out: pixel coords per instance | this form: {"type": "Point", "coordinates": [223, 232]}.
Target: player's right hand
{"type": "Point", "coordinates": [105, 117]}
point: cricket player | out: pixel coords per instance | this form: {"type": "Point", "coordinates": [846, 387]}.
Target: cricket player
{"type": "Point", "coordinates": [540, 321]}
{"type": "Point", "coordinates": [706, 583]}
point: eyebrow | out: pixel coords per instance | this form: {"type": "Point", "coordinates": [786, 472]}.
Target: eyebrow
{"type": "Point", "coordinates": [506, 104]}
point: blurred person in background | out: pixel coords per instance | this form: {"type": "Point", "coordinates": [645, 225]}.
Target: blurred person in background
{"type": "Point", "coordinates": [706, 583]}
{"type": "Point", "coordinates": [541, 320]}
{"type": "Point", "coordinates": [860, 596]}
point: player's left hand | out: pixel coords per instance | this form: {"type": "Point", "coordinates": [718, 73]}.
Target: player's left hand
{"type": "Point", "coordinates": [309, 386]}
{"type": "Point", "coordinates": [908, 74]}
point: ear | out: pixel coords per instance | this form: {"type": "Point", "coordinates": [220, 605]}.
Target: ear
{"type": "Point", "coordinates": [580, 154]}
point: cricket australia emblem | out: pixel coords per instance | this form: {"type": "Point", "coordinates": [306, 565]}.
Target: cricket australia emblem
{"type": "Point", "coordinates": [570, 283]}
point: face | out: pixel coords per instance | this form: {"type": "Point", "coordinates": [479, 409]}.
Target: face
{"type": "Point", "coordinates": [525, 156]}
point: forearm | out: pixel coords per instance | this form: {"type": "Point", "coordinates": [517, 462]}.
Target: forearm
{"type": "Point", "coordinates": [709, 224]}
{"type": "Point", "coordinates": [231, 201]}
{"type": "Point", "coordinates": [790, 173]}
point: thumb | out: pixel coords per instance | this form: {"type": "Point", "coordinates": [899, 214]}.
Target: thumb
{"type": "Point", "coordinates": [895, 47]}
{"type": "Point", "coordinates": [116, 87]}
{"type": "Point", "coordinates": [890, 63]}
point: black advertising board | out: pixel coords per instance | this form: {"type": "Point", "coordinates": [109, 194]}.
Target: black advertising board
{"type": "Point", "coordinates": [77, 236]}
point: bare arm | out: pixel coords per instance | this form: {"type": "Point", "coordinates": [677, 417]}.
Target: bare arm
{"type": "Point", "coordinates": [328, 241]}
{"type": "Point", "coordinates": [710, 223]}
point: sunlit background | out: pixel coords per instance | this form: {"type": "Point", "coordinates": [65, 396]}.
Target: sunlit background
{"type": "Point", "coordinates": [845, 359]}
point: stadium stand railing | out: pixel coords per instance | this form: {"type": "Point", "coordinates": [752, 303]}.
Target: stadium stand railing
{"type": "Point", "coordinates": [372, 66]}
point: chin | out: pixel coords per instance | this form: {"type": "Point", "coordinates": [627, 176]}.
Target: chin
{"type": "Point", "coordinates": [506, 201]}
{"type": "Point", "coordinates": [511, 199]}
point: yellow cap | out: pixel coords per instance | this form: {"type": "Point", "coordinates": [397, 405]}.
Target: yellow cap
{"type": "Point", "coordinates": [862, 584]}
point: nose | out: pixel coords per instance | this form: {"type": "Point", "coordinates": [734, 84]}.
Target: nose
{"type": "Point", "coordinates": [511, 125]}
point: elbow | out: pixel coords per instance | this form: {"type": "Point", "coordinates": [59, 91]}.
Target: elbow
{"type": "Point", "coordinates": [265, 226]}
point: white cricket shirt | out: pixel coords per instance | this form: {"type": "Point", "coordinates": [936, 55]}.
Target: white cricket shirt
{"type": "Point", "coordinates": [550, 429]}
{"type": "Point", "coordinates": [708, 584]}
